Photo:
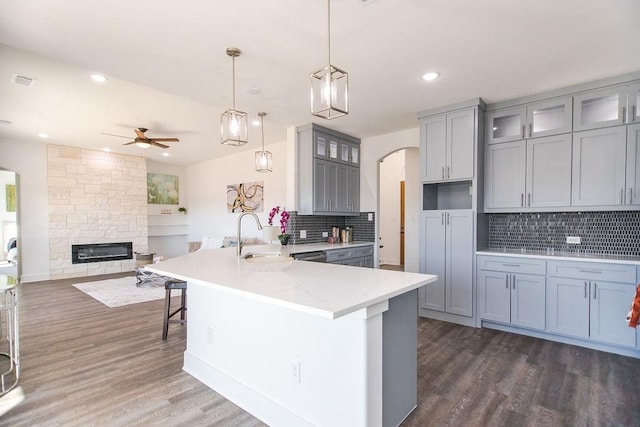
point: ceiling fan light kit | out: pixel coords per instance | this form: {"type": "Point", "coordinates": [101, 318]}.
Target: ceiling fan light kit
{"type": "Point", "coordinates": [143, 141]}
{"type": "Point", "coordinates": [329, 86]}
{"type": "Point", "coordinates": [233, 123]}
{"type": "Point", "coordinates": [264, 159]}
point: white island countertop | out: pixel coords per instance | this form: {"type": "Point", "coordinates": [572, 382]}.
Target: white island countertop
{"type": "Point", "coordinates": [326, 290]}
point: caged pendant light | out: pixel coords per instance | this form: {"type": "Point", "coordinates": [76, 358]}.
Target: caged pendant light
{"type": "Point", "coordinates": [329, 86]}
{"type": "Point", "coordinates": [263, 158]}
{"type": "Point", "coordinates": [233, 123]}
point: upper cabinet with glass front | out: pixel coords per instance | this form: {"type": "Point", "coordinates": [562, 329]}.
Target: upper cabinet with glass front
{"type": "Point", "coordinates": [543, 118]}
{"type": "Point", "coordinates": [634, 103]}
{"type": "Point", "coordinates": [600, 108]}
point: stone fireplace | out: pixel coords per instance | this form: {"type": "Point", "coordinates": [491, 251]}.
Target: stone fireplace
{"type": "Point", "coordinates": [94, 198]}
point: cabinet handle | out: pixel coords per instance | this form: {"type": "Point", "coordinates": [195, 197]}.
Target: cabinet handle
{"type": "Point", "coordinates": [442, 218]}
{"type": "Point", "coordinates": [513, 281]}
{"type": "Point", "coordinates": [443, 172]}
{"type": "Point", "coordinates": [506, 281]}
{"type": "Point", "coordinates": [585, 289]}
{"type": "Point", "coordinates": [521, 200]}
{"type": "Point", "coordinates": [624, 113]}
{"type": "Point", "coordinates": [530, 130]}
{"type": "Point", "coordinates": [447, 218]}
{"type": "Point", "coordinates": [633, 114]}
{"type": "Point", "coordinates": [622, 196]}
{"type": "Point", "coordinates": [448, 172]}
{"type": "Point", "coordinates": [595, 287]}
{"type": "Point", "coordinates": [529, 199]}
{"type": "Point", "coordinates": [591, 271]}
{"type": "Point", "coordinates": [523, 127]}
{"type": "Point", "coordinates": [631, 196]}
{"type": "Point", "coordinates": [504, 264]}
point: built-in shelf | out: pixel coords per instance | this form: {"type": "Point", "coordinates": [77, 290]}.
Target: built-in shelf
{"type": "Point", "coordinates": [447, 195]}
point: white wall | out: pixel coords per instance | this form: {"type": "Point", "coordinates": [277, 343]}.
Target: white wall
{"type": "Point", "coordinates": [391, 174]}
{"type": "Point", "coordinates": [206, 195]}
{"type": "Point", "coordinates": [376, 148]}
{"type": "Point", "coordinates": [29, 161]}
{"type": "Point", "coordinates": [6, 218]}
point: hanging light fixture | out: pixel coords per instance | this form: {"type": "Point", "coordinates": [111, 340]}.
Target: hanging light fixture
{"type": "Point", "coordinates": [329, 86]}
{"type": "Point", "coordinates": [263, 158]}
{"type": "Point", "coordinates": [233, 123]}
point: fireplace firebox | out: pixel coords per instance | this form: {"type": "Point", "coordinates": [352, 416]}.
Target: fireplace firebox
{"type": "Point", "coordinates": [97, 252]}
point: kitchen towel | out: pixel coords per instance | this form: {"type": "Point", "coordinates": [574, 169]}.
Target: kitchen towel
{"type": "Point", "coordinates": [634, 314]}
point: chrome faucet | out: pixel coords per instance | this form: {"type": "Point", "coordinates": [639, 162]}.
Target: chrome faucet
{"type": "Point", "coordinates": [240, 228]}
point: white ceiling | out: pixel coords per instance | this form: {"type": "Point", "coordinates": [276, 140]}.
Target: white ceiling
{"type": "Point", "coordinates": [168, 70]}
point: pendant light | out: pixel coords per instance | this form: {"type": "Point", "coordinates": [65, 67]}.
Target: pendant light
{"type": "Point", "coordinates": [329, 86]}
{"type": "Point", "coordinates": [233, 123]}
{"type": "Point", "coordinates": [263, 158]}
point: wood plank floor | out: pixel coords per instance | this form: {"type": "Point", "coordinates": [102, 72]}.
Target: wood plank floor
{"type": "Point", "coordinates": [86, 364]}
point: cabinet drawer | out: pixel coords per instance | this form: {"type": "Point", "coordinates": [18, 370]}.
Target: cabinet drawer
{"type": "Point", "coordinates": [338, 254]}
{"type": "Point", "coordinates": [593, 271]}
{"type": "Point", "coordinates": [512, 264]}
{"type": "Point", "coordinates": [362, 251]}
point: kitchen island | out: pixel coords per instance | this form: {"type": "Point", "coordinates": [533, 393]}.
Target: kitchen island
{"type": "Point", "coordinates": [300, 343]}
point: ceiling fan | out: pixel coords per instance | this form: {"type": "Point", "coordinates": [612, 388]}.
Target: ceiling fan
{"type": "Point", "coordinates": [143, 141]}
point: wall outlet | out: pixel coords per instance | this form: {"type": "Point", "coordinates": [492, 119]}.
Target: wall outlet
{"type": "Point", "coordinates": [303, 234]}
{"type": "Point", "coordinates": [573, 240]}
{"type": "Point", "coordinates": [370, 216]}
{"type": "Point", "coordinates": [294, 366]}
{"type": "Point", "coordinates": [325, 234]}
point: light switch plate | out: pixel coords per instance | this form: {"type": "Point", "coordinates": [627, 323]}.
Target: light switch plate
{"type": "Point", "coordinates": [303, 234]}
{"type": "Point", "coordinates": [370, 216]}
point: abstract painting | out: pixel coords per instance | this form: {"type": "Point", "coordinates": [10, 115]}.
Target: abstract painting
{"type": "Point", "coordinates": [162, 189]}
{"type": "Point", "coordinates": [245, 197]}
{"type": "Point", "coordinates": [11, 197]}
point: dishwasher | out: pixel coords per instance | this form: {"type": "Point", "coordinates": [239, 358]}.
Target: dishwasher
{"type": "Point", "coordinates": [316, 256]}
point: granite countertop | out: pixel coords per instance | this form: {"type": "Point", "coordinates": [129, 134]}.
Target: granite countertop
{"type": "Point", "coordinates": [563, 256]}
{"type": "Point", "coordinates": [326, 290]}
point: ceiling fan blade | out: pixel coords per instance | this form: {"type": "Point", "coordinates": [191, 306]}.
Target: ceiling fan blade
{"type": "Point", "coordinates": [157, 144]}
{"type": "Point", "coordinates": [119, 136]}
{"type": "Point", "coordinates": [129, 143]}
{"type": "Point", "coordinates": [166, 139]}
{"type": "Point", "coordinates": [140, 134]}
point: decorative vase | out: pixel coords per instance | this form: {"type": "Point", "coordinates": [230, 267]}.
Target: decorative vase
{"type": "Point", "coordinates": [270, 233]}
{"type": "Point", "coordinates": [284, 239]}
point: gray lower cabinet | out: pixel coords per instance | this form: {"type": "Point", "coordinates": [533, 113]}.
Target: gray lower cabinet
{"type": "Point", "coordinates": [448, 253]}
{"type": "Point", "coordinates": [359, 256]}
{"type": "Point", "coordinates": [590, 300]}
{"type": "Point", "coordinates": [507, 293]}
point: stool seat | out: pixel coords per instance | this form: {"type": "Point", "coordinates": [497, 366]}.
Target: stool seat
{"type": "Point", "coordinates": [9, 340]}
{"type": "Point", "coordinates": [169, 285]}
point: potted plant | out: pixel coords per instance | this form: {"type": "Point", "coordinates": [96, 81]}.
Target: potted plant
{"type": "Point", "coordinates": [284, 219]}
{"type": "Point", "coordinates": [182, 210]}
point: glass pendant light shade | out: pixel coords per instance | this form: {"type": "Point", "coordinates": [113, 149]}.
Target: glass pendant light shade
{"type": "Point", "coordinates": [329, 93]}
{"type": "Point", "coordinates": [329, 85]}
{"type": "Point", "coordinates": [234, 129]}
{"type": "Point", "coordinates": [263, 158]}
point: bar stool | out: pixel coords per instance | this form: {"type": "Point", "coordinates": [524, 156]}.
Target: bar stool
{"type": "Point", "coordinates": [170, 285]}
{"type": "Point", "coordinates": [9, 347]}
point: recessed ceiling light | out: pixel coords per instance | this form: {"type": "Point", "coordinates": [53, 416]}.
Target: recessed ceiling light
{"type": "Point", "coordinates": [43, 135]}
{"type": "Point", "coordinates": [98, 78]}
{"type": "Point", "coordinates": [255, 122]}
{"type": "Point", "coordinates": [165, 154]}
{"type": "Point", "coordinates": [430, 76]}
{"type": "Point", "coordinates": [106, 149]}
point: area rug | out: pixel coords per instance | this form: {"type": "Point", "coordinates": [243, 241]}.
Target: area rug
{"type": "Point", "coordinates": [119, 292]}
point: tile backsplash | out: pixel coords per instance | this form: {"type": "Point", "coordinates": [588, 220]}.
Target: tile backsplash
{"type": "Point", "coordinates": [363, 229]}
{"type": "Point", "coordinates": [601, 233]}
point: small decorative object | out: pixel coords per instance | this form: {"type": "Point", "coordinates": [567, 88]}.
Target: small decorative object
{"type": "Point", "coordinates": [182, 210]}
{"type": "Point", "coordinates": [284, 219]}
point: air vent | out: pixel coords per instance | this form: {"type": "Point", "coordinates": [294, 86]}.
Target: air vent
{"type": "Point", "coordinates": [23, 80]}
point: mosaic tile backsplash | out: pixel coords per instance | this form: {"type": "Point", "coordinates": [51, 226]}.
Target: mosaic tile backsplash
{"type": "Point", "coordinates": [363, 229]}
{"type": "Point", "coordinates": [601, 233]}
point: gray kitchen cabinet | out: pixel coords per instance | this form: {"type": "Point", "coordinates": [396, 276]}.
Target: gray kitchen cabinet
{"type": "Point", "coordinates": [509, 293]}
{"type": "Point", "coordinates": [448, 142]}
{"type": "Point", "coordinates": [591, 300]}
{"type": "Point", "coordinates": [599, 158]}
{"type": "Point", "coordinates": [632, 195]}
{"type": "Point", "coordinates": [448, 253]}
{"type": "Point", "coordinates": [536, 119]}
{"type": "Point", "coordinates": [633, 102]}
{"type": "Point", "coordinates": [505, 175]}
{"type": "Point", "coordinates": [359, 256]}
{"type": "Point", "coordinates": [600, 108]}
{"type": "Point", "coordinates": [328, 172]}
{"type": "Point", "coordinates": [524, 175]}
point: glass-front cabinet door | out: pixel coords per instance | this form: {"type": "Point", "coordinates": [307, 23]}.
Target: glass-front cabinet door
{"type": "Point", "coordinates": [549, 117]}
{"type": "Point", "coordinates": [634, 103]}
{"type": "Point", "coordinates": [506, 125]}
{"type": "Point", "coordinates": [600, 108]}
{"type": "Point", "coordinates": [355, 155]}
